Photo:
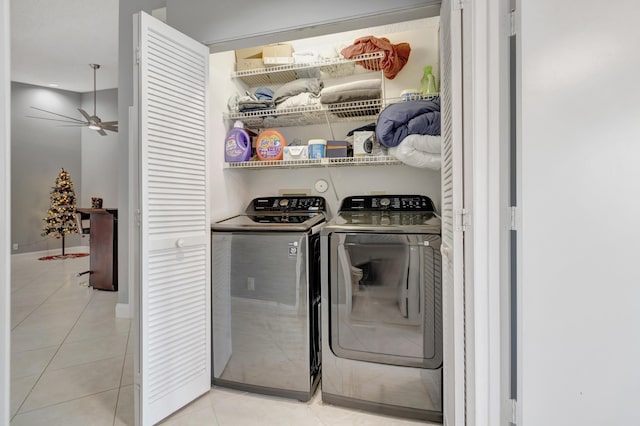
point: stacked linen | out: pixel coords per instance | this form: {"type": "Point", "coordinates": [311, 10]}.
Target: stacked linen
{"type": "Point", "coordinates": [355, 91]}
{"type": "Point", "coordinates": [260, 99]}
{"type": "Point", "coordinates": [296, 87]}
{"type": "Point", "coordinates": [411, 131]}
{"type": "Point", "coordinates": [423, 151]}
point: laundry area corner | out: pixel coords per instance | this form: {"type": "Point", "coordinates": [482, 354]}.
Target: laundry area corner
{"type": "Point", "coordinates": [324, 161]}
{"type": "Point", "coordinates": [379, 304]}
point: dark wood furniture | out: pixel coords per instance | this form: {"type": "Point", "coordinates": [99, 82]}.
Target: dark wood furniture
{"type": "Point", "coordinates": [103, 248]}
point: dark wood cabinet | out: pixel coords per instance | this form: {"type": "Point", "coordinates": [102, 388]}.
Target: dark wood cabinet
{"type": "Point", "coordinates": [103, 248]}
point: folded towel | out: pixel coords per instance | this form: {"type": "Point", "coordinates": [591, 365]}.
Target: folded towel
{"type": "Point", "coordinates": [353, 91]}
{"type": "Point", "coordinates": [311, 85]}
{"type": "Point", "coordinates": [414, 154]}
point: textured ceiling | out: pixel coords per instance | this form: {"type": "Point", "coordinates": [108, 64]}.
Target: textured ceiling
{"type": "Point", "coordinates": [54, 41]}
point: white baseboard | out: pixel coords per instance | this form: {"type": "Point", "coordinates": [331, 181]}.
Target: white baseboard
{"type": "Point", "coordinates": [122, 310]}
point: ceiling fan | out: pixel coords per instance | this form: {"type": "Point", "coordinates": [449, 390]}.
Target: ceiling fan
{"type": "Point", "coordinates": [92, 121]}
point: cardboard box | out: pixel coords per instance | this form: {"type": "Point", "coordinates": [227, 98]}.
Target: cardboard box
{"type": "Point", "coordinates": [249, 58]}
{"type": "Point", "coordinates": [249, 53]}
{"type": "Point", "coordinates": [249, 64]}
{"type": "Point", "coordinates": [277, 54]}
{"type": "Point", "coordinates": [295, 152]}
{"type": "Point", "coordinates": [336, 149]}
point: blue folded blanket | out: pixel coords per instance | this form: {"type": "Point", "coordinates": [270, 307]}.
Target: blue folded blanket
{"type": "Point", "coordinates": [395, 122]}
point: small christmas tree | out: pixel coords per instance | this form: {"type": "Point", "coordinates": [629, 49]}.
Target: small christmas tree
{"type": "Point", "coordinates": [61, 219]}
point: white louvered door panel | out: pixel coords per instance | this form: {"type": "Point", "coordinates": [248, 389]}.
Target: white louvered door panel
{"type": "Point", "coordinates": [175, 345]}
{"type": "Point", "coordinates": [452, 204]}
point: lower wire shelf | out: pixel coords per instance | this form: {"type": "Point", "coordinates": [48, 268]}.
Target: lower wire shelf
{"type": "Point", "coordinates": [316, 162]}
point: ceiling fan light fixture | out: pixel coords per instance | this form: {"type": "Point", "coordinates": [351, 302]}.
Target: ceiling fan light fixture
{"type": "Point", "coordinates": [93, 122]}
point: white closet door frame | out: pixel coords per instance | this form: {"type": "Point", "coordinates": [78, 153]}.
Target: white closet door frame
{"type": "Point", "coordinates": [484, 23]}
{"type": "Point", "coordinates": [453, 216]}
{"type": "Point", "coordinates": [173, 360]}
{"type": "Point", "coordinates": [5, 215]}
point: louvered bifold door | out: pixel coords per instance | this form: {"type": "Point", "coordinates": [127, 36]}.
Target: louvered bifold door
{"type": "Point", "coordinates": [452, 215]}
{"type": "Point", "coordinates": [175, 361]}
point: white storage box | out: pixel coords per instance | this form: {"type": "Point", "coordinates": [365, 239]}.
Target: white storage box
{"type": "Point", "coordinates": [295, 153]}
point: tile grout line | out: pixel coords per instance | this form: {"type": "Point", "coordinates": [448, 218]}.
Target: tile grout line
{"type": "Point", "coordinates": [43, 302]}
{"type": "Point", "coordinates": [54, 355]}
{"type": "Point", "coordinates": [124, 361]}
{"type": "Point", "coordinates": [61, 402]}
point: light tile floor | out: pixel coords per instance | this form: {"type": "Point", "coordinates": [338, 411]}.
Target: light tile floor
{"type": "Point", "coordinates": [72, 363]}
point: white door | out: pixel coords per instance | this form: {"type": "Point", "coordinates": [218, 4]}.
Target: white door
{"type": "Point", "coordinates": [452, 215]}
{"type": "Point", "coordinates": [174, 358]}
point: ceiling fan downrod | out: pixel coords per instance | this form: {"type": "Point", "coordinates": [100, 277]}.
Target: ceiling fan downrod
{"type": "Point", "coordinates": [95, 67]}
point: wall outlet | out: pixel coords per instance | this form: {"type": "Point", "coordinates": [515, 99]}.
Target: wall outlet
{"type": "Point", "coordinates": [251, 283]}
{"type": "Point", "coordinates": [15, 246]}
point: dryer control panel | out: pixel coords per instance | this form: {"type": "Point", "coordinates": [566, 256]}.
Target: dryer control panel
{"type": "Point", "coordinates": [287, 204]}
{"type": "Point", "coordinates": [394, 203]}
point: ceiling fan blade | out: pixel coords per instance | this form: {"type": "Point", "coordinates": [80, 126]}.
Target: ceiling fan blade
{"type": "Point", "coordinates": [112, 128]}
{"type": "Point", "coordinates": [102, 132]}
{"type": "Point", "coordinates": [84, 114]}
{"type": "Point", "coordinates": [78, 123]}
{"type": "Point", "coordinates": [60, 115]}
{"type": "Point", "coordinates": [109, 123]}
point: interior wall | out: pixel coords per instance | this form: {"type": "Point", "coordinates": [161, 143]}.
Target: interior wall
{"type": "Point", "coordinates": [5, 215]}
{"type": "Point", "coordinates": [232, 189]}
{"type": "Point", "coordinates": [580, 186]}
{"type": "Point", "coordinates": [228, 24]}
{"type": "Point", "coordinates": [100, 154]}
{"type": "Point", "coordinates": [39, 149]}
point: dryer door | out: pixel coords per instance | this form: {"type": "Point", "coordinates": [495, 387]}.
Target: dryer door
{"type": "Point", "coordinates": [385, 298]}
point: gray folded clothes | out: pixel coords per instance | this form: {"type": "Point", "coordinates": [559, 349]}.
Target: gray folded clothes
{"type": "Point", "coordinates": [351, 92]}
{"type": "Point", "coordinates": [250, 103]}
{"type": "Point", "coordinates": [300, 100]}
{"type": "Point", "coordinates": [311, 85]}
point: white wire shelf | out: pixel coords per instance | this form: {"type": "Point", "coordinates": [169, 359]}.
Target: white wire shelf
{"type": "Point", "coordinates": [315, 114]}
{"type": "Point", "coordinates": [334, 67]}
{"type": "Point", "coordinates": [310, 114]}
{"type": "Point", "coordinates": [316, 162]}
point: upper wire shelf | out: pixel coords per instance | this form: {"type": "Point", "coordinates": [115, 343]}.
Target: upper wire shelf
{"type": "Point", "coordinates": [334, 67]}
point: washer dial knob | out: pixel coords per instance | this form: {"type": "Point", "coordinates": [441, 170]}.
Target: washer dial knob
{"type": "Point", "coordinates": [385, 202]}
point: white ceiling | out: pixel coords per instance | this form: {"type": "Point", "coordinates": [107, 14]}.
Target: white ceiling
{"type": "Point", "coordinates": [54, 41]}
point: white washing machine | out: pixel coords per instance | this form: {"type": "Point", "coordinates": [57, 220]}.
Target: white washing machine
{"type": "Point", "coordinates": [381, 306]}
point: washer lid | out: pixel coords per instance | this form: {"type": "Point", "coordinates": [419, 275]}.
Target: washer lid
{"type": "Point", "coordinates": [273, 222]}
{"type": "Point", "coordinates": [386, 221]}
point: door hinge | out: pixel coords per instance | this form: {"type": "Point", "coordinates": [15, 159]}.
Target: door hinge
{"type": "Point", "coordinates": [458, 4]}
{"type": "Point", "coordinates": [138, 217]}
{"type": "Point", "coordinates": [514, 219]}
{"type": "Point", "coordinates": [512, 23]}
{"type": "Point", "coordinates": [514, 411]}
{"type": "Point", "coordinates": [137, 55]}
{"type": "Point", "coordinates": [461, 219]}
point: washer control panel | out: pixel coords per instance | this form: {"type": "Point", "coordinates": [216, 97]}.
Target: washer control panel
{"type": "Point", "coordinates": [397, 203]}
{"type": "Point", "coordinates": [287, 204]}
